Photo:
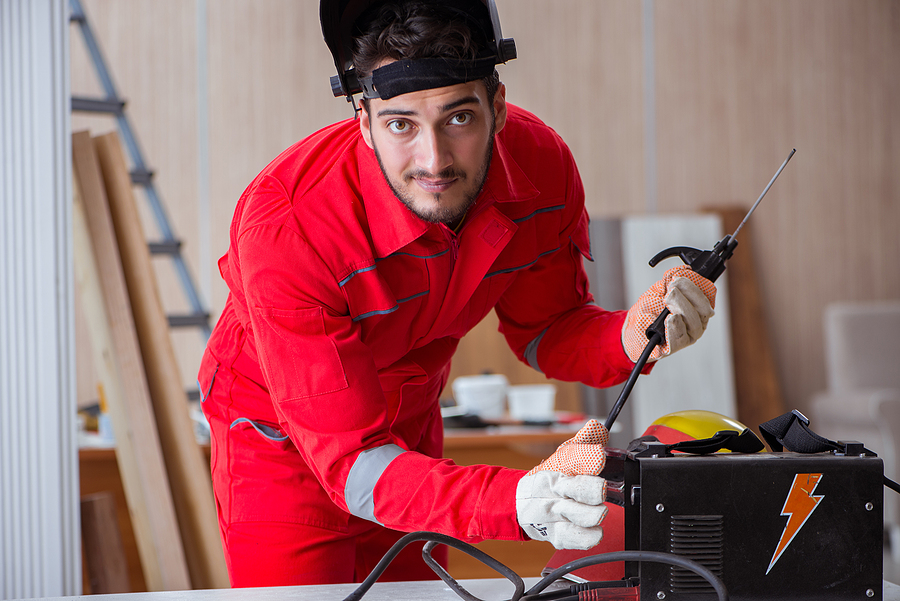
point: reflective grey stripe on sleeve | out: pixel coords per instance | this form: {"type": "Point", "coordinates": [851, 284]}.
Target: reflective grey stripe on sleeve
{"type": "Point", "coordinates": [359, 492]}
{"type": "Point", "coordinates": [531, 351]}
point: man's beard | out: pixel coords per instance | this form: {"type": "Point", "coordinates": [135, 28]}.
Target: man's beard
{"type": "Point", "coordinates": [440, 214]}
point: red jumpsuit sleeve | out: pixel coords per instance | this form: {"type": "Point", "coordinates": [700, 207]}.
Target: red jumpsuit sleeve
{"type": "Point", "coordinates": [325, 388]}
{"type": "Point", "coordinates": [560, 328]}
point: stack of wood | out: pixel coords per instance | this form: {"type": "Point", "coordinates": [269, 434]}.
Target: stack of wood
{"type": "Point", "coordinates": [162, 467]}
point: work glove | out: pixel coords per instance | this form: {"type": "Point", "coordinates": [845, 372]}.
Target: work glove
{"type": "Point", "coordinates": [690, 299]}
{"type": "Point", "coordinates": [561, 500]}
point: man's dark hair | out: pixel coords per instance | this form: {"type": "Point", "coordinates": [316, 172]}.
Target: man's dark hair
{"type": "Point", "coordinates": [412, 29]}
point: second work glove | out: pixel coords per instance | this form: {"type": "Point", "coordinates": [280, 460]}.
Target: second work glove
{"type": "Point", "coordinates": [561, 500]}
{"type": "Point", "coordinates": [690, 299]}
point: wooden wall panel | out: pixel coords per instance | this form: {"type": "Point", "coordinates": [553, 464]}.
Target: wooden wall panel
{"type": "Point", "coordinates": [741, 83]}
{"type": "Point", "coordinates": [269, 74]}
{"type": "Point", "coordinates": [579, 70]}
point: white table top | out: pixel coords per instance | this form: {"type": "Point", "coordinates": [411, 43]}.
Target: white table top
{"type": "Point", "coordinates": [493, 590]}
{"type": "Point", "coordinates": [431, 590]}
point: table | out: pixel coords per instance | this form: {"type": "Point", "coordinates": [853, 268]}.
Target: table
{"type": "Point", "coordinates": [400, 591]}
{"type": "Point", "coordinates": [520, 447]}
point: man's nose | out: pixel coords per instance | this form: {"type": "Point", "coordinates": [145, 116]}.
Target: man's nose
{"type": "Point", "coordinates": [434, 153]}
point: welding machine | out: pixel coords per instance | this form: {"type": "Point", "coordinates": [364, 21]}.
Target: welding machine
{"type": "Point", "coordinates": [768, 525]}
{"type": "Point", "coordinates": [780, 526]}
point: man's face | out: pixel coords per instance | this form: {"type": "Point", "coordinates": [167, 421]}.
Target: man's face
{"type": "Point", "coordinates": [434, 146]}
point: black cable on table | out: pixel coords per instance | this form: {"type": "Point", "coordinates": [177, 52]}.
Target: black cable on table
{"type": "Point", "coordinates": [433, 539]}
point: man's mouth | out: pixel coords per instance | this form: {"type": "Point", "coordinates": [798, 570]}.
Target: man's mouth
{"type": "Point", "coordinates": [435, 186]}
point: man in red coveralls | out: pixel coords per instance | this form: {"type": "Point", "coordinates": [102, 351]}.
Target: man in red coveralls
{"type": "Point", "coordinates": [358, 258]}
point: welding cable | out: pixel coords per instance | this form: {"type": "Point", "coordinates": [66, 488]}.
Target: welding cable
{"type": "Point", "coordinates": [433, 539]}
{"type": "Point", "coordinates": [477, 554]}
{"type": "Point", "coordinates": [891, 484]}
{"type": "Point", "coordinates": [651, 556]}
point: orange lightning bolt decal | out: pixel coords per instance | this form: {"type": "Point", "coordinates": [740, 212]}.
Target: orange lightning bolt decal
{"type": "Point", "coordinates": [798, 506]}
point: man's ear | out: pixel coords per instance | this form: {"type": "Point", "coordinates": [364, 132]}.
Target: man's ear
{"type": "Point", "coordinates": [500, 108]}
{"type": "Point", "coordinates": [365, 126]}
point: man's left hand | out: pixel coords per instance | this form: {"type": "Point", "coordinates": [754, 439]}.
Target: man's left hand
{"type": "Point", "coordinates": [690, 299]}
{"type": "Point", "coordinates": [561, 499]}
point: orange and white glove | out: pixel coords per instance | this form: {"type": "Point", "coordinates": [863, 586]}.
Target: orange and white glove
{"type": "Point", "coordinates": [690, 299]}
{"type": "Point", "coordinates": [561, 500]}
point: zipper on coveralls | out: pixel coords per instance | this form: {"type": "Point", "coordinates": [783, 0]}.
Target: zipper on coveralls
{"type": "Point", "coordinates": [454, 245]}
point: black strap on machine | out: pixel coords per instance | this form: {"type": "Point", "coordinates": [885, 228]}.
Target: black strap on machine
{"type": "Point", "coordinates": [730, 440]}
{"type": "Point", "coordinates": [791, 431]}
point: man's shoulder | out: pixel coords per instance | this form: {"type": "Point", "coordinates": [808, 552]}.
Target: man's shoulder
{"type": "Point", "coordinates": [303, 164]}
{"type": "Point", "coordinates": [286, 191]}
{"type": "Point", "coordinates": [534, 146]}
{"type": "Point", "coordinates": [518, 114]}
{"type": "Point", "coordinates": [526, 131]}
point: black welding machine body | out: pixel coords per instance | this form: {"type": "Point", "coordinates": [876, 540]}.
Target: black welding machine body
{"type": "Point", "coordinates": [776, 525]}
{"type": "Point", "coordinates": [784, 526]}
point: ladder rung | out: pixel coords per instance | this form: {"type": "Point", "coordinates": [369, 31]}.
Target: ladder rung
{"type": "Point", "coordinates": [96, 105]}
{"type": "Point", "coordinates": [189, 320]}
{"type": "Point", "coordinates": [141, 177]}
{"type": "Point", "coordinates": [169, 247]}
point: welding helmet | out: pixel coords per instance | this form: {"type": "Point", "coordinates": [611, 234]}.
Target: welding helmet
{"type": "Point", "coordinates": [696, 425]}
{"type": "Point", "coordinates": [338, 18]}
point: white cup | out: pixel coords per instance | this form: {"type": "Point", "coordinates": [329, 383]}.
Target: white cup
{"type": "Point", "coordinates": [484, 396]}
{"type": "Point", "coordinates": [533, 402]}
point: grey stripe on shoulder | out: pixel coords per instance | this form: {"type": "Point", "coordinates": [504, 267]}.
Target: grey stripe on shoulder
{"type": "Point", "coordinates": [531, 351]}
{"type": "Point", "coordinates": [359, 492]}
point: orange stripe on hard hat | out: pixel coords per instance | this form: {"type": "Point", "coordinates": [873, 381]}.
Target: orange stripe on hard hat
{"type": "Point", "coordinates": [667, 435]}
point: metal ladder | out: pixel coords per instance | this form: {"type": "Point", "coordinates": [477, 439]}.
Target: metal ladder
{"type": "Point", "coordinates": [140, 175]}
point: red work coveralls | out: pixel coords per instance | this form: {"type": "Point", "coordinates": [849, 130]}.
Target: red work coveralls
{"type": "Point", "coordinates": [322, 375]}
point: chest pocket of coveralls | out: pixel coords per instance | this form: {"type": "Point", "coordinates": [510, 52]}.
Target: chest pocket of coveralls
{"type": "Point", "coordinates": [536, 237]}
{"type": "Point", "coordinates": [389, 302]}
{"type": "Point", "coordinates": [299, 357]}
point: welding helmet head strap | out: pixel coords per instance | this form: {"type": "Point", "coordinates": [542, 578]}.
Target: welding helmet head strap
{"type": "Point", "coordinates": [401, 77]}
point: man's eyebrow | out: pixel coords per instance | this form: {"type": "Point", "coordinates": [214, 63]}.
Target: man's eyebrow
{"type": "Point", "coordinates": [444, 109]}
{"type": "Point", "coordinates": [458, 103]}
{"type": "Point", "coordinates": [397, 112]}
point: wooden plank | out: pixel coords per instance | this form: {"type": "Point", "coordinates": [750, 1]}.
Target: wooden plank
{"type": "Point", "coordinates": [114, 342]}
{"type": "Point", "coordinates": [757, 389]}
{"type": "Point", "coordinates": [103, 550]}
{"type": "Point", "coordinates": [98, 472]}
{"type": "Point", "coordinates": [188, 472]}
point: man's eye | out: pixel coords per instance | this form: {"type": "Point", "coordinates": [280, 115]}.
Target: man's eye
{"type": "Point", "coordinates": [461, 118]}
{"type": "Point", "coordinates": [398, 127]}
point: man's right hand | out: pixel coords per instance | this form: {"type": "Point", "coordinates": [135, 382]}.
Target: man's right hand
{"type": "Point", "coordinates": [561, 500]}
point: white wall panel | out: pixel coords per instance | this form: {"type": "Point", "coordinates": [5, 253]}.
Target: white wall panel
{"type": "Point", "coordinates": [39, 526]}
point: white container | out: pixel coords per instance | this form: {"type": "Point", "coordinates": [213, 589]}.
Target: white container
{"type": "Point", "coordinates": [533, 402]}
{"type": "Point", "coordinates": [484, 396]}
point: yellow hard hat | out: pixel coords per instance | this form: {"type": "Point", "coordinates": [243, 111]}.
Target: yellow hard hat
{"type": "Point", "coordinates": [693, 424]}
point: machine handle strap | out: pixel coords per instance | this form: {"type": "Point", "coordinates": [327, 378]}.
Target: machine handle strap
{"type": "Point", "coordinates": [791, 431]}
